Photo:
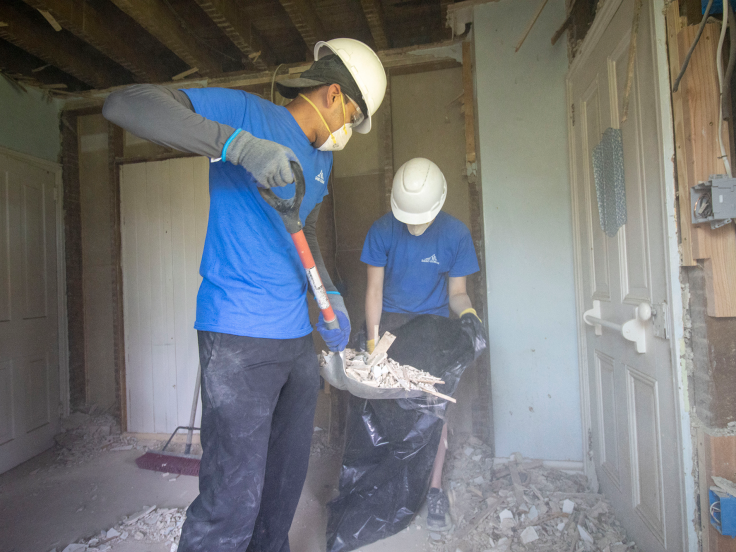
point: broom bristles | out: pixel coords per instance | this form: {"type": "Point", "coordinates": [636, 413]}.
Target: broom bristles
{"type": "Point", "coordinates": [166, 463]}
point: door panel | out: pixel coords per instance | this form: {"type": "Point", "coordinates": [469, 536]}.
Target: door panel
{"type": "Point", "coordinates": [29, 331]}
{"type": "Point", "coordinates": [633, 413]}
{"type": "Point", "coordinates": [4, 249]}
{"type": "Point", "coordinates": [164, 207]}
{"type": "Point", "coordinates": [34, 249]}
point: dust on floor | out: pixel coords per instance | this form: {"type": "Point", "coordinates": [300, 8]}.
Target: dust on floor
{"type": "Point", "coordinates": [88, 495]}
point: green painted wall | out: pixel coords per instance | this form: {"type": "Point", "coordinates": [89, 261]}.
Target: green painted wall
{"type": "Point", "coordinates": [28, 123]}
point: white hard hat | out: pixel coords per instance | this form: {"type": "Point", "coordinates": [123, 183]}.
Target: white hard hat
{"type": "Point", "coordinates": [366, 69]}
{"type": "Point", "coordinates": [419, 191]}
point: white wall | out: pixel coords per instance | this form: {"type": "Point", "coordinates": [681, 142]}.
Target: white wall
{"type": "Point", "coordinates": [28, 123]}
{"type": "Point", "coordinates": [528, 231]}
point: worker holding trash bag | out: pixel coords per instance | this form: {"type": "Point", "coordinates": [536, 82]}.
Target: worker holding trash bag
{"type": "Point", "coordinates": [418, 258]}
{"type": "Point", "coordinates": [260, 374]}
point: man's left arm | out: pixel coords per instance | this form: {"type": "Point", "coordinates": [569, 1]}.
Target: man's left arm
{"type": "Point", "coordinates": [336, 340]}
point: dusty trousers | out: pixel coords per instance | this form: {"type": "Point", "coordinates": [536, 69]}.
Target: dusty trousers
{"type": "Point", "coordinates": [258, 402]}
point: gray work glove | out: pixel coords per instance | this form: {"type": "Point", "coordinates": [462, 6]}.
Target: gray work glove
{"type": "Point", "coordinates": [267, 161]}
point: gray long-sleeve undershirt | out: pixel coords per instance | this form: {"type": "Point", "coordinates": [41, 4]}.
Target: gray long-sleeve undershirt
{"type": "Point", "coordinates": [167, 117]}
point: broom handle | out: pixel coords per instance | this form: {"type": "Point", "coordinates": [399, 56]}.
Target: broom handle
{"type": "Point", "coordinates": [193, 415]}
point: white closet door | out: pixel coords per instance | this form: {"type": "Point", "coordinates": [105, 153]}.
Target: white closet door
{"type": "Point", "coordinates": [164, 208]}
{"type": "Point", "coordinates": [29, 323]}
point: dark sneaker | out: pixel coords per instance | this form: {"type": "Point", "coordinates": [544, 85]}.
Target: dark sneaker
{"type": "Point", "coordinates": [438, 507]}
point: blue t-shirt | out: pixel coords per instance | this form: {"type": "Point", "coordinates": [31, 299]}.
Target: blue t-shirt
{"type": "Point", "coordinates": [254, 284]}
{"type": "Point", "coordinates": [417, 267]}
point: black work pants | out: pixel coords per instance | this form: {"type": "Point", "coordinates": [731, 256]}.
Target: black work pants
{"type": "Point", "coordinates": [258, 401]}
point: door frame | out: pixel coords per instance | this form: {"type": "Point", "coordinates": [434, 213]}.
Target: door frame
{"type": "Point", "coordinates": [56, 169]}
{"type": "Point", "coordinates": [672, 261]}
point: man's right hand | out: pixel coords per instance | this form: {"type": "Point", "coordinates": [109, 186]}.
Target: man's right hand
{"type": "Point", "coordinates": [267, 161]}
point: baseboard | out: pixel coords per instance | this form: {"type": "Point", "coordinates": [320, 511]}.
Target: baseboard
{"type": "Point", "coordinates": [567, 466]}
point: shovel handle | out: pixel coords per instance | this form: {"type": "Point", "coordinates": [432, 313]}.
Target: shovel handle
{"type": "Point", "coordinates": [289, 211]}
{"type": "Point", "coordinates": [288, 208]}
{"type": "Point", "coordinates": [320, 293]}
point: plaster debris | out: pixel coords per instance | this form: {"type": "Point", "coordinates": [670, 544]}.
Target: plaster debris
{"type": "Point", "coordinates": [385, 373]}
{"type": "Point", "coordinates": [529, 535]}
{"type": "Point", "coordinates": [546, 511]}
{"type": "Point", "coordinates": [568, 506]}
{"type": "Point", "coordinates": [152, 525]}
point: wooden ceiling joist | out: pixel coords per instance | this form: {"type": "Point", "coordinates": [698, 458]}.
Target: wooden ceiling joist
{"type": "Point", "coordinates": [46, 44]}
{"type": "Point", "coordinates": [398, 60]}
{"type": "Point", "coordinates": [157, 19]}
{"type": "Point", "coordinates": [83, 20]}
{"type": "Point", "coordinates": [373, 10]}
{"type": "Point", "coordinates": [232, 21]}
{"type": "Point", "coordinates": [306, 20]}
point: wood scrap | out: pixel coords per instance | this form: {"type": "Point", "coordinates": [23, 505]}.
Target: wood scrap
{"type": "Point", "coordinates": [184, 74]}
{"type": "Point", "coordinates": [382, 346]}
{"type": "Point", "coordinates": [478, 519]}
{"type": "Point", "coordinates": [565, 25]}
{"type": "Point", "coordinates": [516, 480]}
{"type": "Point", "coordinates": [632, 58]}
{"type": "Point", "coordinates": [531, 24]}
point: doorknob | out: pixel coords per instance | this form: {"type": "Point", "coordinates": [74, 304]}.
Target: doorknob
{"type": "Point", "coordinates": [633, 330]}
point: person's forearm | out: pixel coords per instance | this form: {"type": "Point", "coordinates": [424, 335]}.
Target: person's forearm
{"type": "Point", "coordinates": [459, 303]}
{"type": "Point", "coordinates": [373, 311]}
{"type": "Point", "coordinates": [166, 117]}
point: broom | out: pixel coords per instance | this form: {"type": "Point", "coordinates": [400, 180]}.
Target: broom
{"type": "Point", "coordinates": [173, 462]}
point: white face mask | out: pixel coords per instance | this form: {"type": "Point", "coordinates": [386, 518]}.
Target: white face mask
{"type": "Point", "coordinates": [339, 139]}
{"type": "Point", "coordinates": [418, 229]}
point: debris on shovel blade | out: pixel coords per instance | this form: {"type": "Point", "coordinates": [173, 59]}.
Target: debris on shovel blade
{"type": "Point", "coordinates": [378, 370]}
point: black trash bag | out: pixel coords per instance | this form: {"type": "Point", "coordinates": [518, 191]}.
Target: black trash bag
{"type": "Point", "coordinates": [386, 466]}
{"type": "Point", "coordinates": [391, 444]}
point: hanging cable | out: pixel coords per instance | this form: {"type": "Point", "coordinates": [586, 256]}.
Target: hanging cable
{"type": "Point", "coordinates": [719, 67]}
{"type": "Point", "coordinates": [273, 80]}
{"type": "Point", "coordinates": [726, 100]}
{"type": "Point", "coordinates": [692, 47]}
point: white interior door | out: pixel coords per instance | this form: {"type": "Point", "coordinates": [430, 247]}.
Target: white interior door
{"type": "Point", "coordinates": [29, 325]}
{"type": "Point", "coordinates": [164, 208]}
{"type": "Point", "coordinates": [631, 396]}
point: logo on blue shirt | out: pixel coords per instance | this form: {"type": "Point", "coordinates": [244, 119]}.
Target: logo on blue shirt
{"type": "Point", "coordinates": [432, 259]}
{"type": "Point", "coordinates": [320, 177]}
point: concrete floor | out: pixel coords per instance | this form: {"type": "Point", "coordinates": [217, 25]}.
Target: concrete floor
{"type": "Point", "coordinates": [43, 506]}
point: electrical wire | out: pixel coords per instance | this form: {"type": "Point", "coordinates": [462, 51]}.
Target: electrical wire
{"type": "Point", "coordinates": [273, 80]}
{"type": "Point", "coordinates": [726, 96]}
{"type": "Point", "coordinates": [719, 67]}
{"type": "Point", "coordinates": [692, 46]}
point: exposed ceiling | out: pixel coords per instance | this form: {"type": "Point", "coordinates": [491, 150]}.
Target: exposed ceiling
{"type": "Point", "coordinates": [74, 45]}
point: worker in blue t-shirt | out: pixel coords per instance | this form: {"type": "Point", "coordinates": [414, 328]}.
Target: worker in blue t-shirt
{"type": "Point", "coordinates": [260, 373]}
{"type": "Point", "coordinates": [418, 261]}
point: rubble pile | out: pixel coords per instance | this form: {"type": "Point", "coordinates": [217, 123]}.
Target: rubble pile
{"type": "Point", "coordinates": [85, 435]}
{"type": "Point", "coordinates": [151, 525]}
{"type": "Point", "coordinates": [522, 506]}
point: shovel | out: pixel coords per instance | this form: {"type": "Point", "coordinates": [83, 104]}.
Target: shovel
{"type": "Point", "coordinates": [289, 211]}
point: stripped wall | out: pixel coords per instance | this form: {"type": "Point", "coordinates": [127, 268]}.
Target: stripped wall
{"type": "Point", "coordinates": [528, 234]}
{"type": "Point", "coordinates": [28, 123]}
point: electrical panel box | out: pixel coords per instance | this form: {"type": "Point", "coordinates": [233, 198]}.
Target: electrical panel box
{"type": "Point", "coordinates": [722, 511]}
{"type": "Point", "coordinates": [714, 201]}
